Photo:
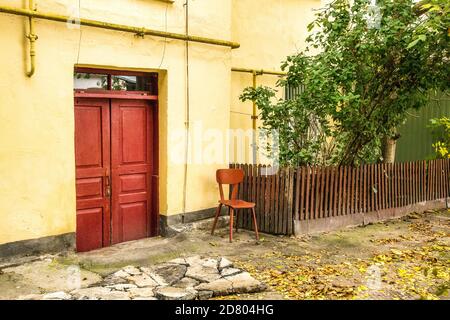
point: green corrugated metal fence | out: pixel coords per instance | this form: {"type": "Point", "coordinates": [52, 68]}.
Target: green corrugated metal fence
{"type": "Point", "coordinates": [415, 141]}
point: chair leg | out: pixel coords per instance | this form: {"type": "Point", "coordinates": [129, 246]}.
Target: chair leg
{"type": "Point", "coordinates": [231, 224]}
{"type": "Point", "coordinates": [216, 218]}
{"type": "Point", "coordinates": [237, 219]}
{"type": "Point", "coordinates": [255, 223]}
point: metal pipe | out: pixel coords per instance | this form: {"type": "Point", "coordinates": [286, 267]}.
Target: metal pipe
{"type": "Point", "coordinates": [259, 72]}
{"type": "Point", "coordinates": [32, 37]}
{"type": "Point", "coordinates": [117, 27]}
{"type": "Point", "coordinates": [254, 116]}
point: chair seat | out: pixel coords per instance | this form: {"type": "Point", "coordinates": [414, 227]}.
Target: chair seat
{"type": "Point", "coordinates": [237, 204]}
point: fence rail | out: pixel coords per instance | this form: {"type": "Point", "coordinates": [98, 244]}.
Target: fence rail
{"type": "Point", "coordinates": [313, 192]}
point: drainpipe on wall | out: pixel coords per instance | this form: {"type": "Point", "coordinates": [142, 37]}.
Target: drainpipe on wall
{"type": "Point", "coordinates": [254, 117]}
{"type": "Point", "coordinates": [32, 37]}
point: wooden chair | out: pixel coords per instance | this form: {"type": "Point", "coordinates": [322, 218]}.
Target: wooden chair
{"type": "Point", "coordinates": [232, 177]}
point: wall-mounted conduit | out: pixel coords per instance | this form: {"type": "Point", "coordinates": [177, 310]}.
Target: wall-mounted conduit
{"type": "Point", "coordinates": [33, 14]}
{"type": "Point", "coordinates": [118, 27]}
{"type": "Point", "coordinates": [32, 37]}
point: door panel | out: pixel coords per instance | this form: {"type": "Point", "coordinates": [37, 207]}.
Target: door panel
{"type": "Point", "coordinates": [92, 158]}
{"type": "Point", "coordinates": [89, 227]}
{"type": "Point", "coordinates": [131, 169]}
{"type": "Point", "coordinates": [135, 220]}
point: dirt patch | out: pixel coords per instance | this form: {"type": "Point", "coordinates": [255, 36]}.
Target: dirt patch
{"type": "Point", "coordinates": [42, 276]}
{"type": "Point", "coordinates": [403, 259]}
{"type": "Point", "coordinates": [407, 258]}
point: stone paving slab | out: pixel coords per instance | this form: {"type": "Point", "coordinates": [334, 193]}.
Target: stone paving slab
{"type": "Point", "coordinates": [189, 278]}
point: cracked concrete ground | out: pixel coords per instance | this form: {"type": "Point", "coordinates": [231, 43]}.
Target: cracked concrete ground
{"type": "Point", "coordinates": [308, 267]}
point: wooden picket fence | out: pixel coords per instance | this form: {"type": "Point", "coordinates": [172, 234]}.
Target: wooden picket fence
{"type": "Point", "coordinates": [314, 192]}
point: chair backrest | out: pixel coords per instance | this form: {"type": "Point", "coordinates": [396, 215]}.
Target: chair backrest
{"type": "Point", "coordinates": [232, 177]}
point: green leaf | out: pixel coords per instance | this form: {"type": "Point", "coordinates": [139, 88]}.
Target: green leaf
{"type": "Point", "coordinates": [413, 43]}
{"type": "Point", "coordinates": [422, 37]}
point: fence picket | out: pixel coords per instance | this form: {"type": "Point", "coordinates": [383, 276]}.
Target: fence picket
{"type": "Point", "coordinates": [322, 194]}
{"type": "Point", "coordinates": [414, 174]}
{"type": "Point", "coordinates": [261, 196]}
{"type": "Point", "coordinates": [277, 201]}
{"type": "Point", "coordinates": [441, 179]}
{"type": "Point", "coordinates": [384, 180]}
{"type": "Point", "coordinates": [312, 193]}
{"type": "Point", "coordinates": [335, 192]}
{"type": "Point", "coordinates": [281, 200]}
{"type": "Point", "coordinates": [397, 184]}
{"type": "Point", "coordinates": [299, 196]}
{"type": "Point", "coordinates": [327, 192]}
{"type": "Point", "coordinates": [307, 189]}
{"type": "Point", "coordinates": [446, 177]}
{"type": "Point", "coordinates": [317, 193]}
{"type": "Point", "coordinates": [267, 178]}
{"type": "Point", "coordinates": [290, 216]}
{"type": "Point", "coordinates": [298, 183]}
{"type": "Point", "coordinates": [340, 190]}
{"type": "Point", "coordinates": [407, 191]}
{"type": "Point", "coordinates": [402, 185]}
{"type": "Point", "coordinates": [429, 180]}
{"type": "Point", "coordinates": [272, 201]}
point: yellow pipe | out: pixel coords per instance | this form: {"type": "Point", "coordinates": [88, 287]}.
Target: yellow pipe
{"type": "Point", "coordinates": [254, 117]}
{"type": "Point", "coordinates": [117, 27]}
{"type": "Point", "coordinates": [259, 72]}
{"type": "Point", "coordinates": [32, 37]}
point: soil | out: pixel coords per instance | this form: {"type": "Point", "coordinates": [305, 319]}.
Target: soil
{"type": "Point", "coordinates": [406, 258]}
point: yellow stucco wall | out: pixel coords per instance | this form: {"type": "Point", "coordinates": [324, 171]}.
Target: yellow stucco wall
{"type": "Point", "coordinates": [37, 164]}
{"type": "Point", "coordinates": [268, 31]}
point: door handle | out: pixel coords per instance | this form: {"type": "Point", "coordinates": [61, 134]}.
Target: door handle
{"type": "Point", "coordinates": [107, 184]}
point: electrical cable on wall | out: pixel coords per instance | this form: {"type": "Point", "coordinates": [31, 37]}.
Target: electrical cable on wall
{"type": "Point", "coordinates": [81, 32]}
{"type": "Point", "coordinates": [165, 39]}
{"type": "Point", "coordinates": [243, 113]}
{"type": "Point", "coordinates": [187, 120]}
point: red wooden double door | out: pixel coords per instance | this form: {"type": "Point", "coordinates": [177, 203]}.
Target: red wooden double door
{"type": "Point", "coordinates": [116, 173]}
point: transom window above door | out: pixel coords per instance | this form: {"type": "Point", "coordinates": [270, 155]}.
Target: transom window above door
{"type": "Point", "coordinates": [88, 81]}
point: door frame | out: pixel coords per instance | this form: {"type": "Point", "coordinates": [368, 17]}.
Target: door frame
{"type": "Point", "coordinates": [153, 212]}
